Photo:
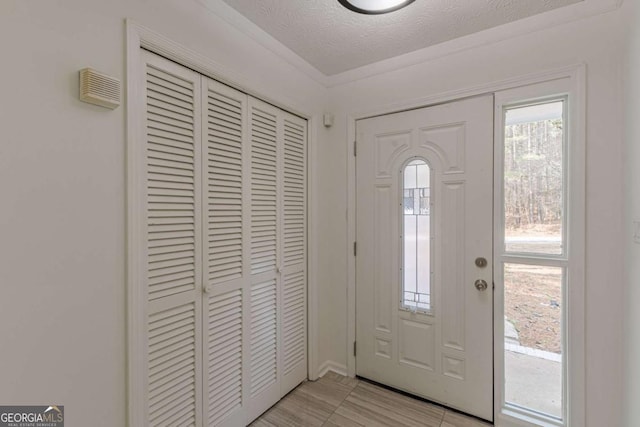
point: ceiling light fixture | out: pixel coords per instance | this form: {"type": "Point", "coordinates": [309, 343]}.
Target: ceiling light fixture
{"type": "Point", "coordinates": [374, 7]}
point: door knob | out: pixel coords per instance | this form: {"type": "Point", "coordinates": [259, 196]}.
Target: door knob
{"type": "Point", "coordinates": [481, 285]}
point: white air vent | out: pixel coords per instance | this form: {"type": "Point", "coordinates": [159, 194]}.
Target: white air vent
{"type": "Point", "coordinates": [99, 89]}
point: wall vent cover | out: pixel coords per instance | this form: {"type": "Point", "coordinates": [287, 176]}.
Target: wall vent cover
{"type": "Point", "coordinates": [99, 89]}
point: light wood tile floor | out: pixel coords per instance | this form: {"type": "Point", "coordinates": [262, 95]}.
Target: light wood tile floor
{"type": "Point", "coordinates": [337, 401]}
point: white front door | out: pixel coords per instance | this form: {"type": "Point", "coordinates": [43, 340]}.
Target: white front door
{"type": "Point", "coordinates": [424, 218]}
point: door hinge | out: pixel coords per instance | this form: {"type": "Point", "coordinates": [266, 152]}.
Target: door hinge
{"type": "Point", "coordinates": [354, 348]}
{"type": "Point", "coordinates": [355, 148]}
{"type": "Point", "coordinates": [355, 248]}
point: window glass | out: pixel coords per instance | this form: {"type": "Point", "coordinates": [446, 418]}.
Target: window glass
{"type": "Point", "coordinates": [534, 179]}
{"type": "Point", "coordinates": [533, 337]}
{"type": "Point", "coordinates": [417, 246]}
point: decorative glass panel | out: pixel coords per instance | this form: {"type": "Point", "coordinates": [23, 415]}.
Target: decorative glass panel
{"type": "Point", "coordinates": [534, 178]}
{"type": "Point", "coordinates": [416, 236]}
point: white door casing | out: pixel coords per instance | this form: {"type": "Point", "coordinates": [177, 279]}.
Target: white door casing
{"type": "Point", "coordinates": [445, 354]}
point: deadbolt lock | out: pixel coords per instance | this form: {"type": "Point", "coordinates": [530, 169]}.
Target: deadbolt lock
{"type": "Point", "coordinates": [481, 262]}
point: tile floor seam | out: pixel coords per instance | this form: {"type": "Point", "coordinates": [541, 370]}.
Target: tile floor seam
{"type": "Point", "coordinates": [339, 405]}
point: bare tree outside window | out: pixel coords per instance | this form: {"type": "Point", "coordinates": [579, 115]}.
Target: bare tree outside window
{"type": "Point", "coordinates": [533, 179]}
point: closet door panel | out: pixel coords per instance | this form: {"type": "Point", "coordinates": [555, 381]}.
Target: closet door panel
{"type": "Point", "coordinates": [226, 274]}
{"type": "Point", "coordinates": [264, 364]}
{"type": "Point", "coordinates": [220, 289]}
{"type": "Point", "coordinates": [293, 209]}
{"type": "Point", "coordinates": [171, 243]}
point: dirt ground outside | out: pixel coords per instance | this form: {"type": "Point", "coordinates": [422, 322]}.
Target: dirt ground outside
{"type": "Point", "coordinates": [533, 298]}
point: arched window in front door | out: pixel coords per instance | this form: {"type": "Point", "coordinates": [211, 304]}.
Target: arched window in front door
{"type": "Point", "coordinates": [417, 236]}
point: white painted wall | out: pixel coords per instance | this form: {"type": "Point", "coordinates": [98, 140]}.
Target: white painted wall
{"type": "Point", "coordinates": [62, 187]}
{"type": "Point", "coordinates": [631, 391]}
{"type": "Point", "coordinates": [595, 41]}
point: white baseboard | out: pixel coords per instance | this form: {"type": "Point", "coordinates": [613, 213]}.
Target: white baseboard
{"type": "Point", "coordinates": [330, 365]}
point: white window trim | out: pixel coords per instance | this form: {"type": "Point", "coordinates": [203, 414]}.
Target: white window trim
{"type": "Point", "coordinates": [576, 88]}
{"type": "Point", "coordinates": [137, 37]}
{"type": "Point", "coordinates": [572, 260]}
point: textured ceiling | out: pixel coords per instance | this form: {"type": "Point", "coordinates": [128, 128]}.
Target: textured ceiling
{"type": "Point", "coordinates": [334, 39]}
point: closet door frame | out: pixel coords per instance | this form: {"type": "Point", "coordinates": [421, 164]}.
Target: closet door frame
{"type": "Point", "coordinates": [139, 37]}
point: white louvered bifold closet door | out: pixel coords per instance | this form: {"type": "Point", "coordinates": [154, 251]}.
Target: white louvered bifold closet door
{"type": "Point", "coordinates": [172, 242]}
{"type": "Point", "coordinates": [264, 369]}
{"type": "Point", "coordinates": [226, 251]}
{"type": "Point", "coordinates": [293, 209]}
{"type": "Point", "coordinates": [221, 306]}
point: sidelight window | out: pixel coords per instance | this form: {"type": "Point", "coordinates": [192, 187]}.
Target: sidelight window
{"type": "Point", "coordinates": [534, 257]}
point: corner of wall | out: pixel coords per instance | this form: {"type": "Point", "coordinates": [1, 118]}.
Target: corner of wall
{"type": "Point", "coordinates": [330, 365]}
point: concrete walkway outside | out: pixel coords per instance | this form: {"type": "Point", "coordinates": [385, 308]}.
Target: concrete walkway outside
{"type": "Point", "coordinates": [533, 377]}
{"type": "Point", "coordinates": [534, 382]}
